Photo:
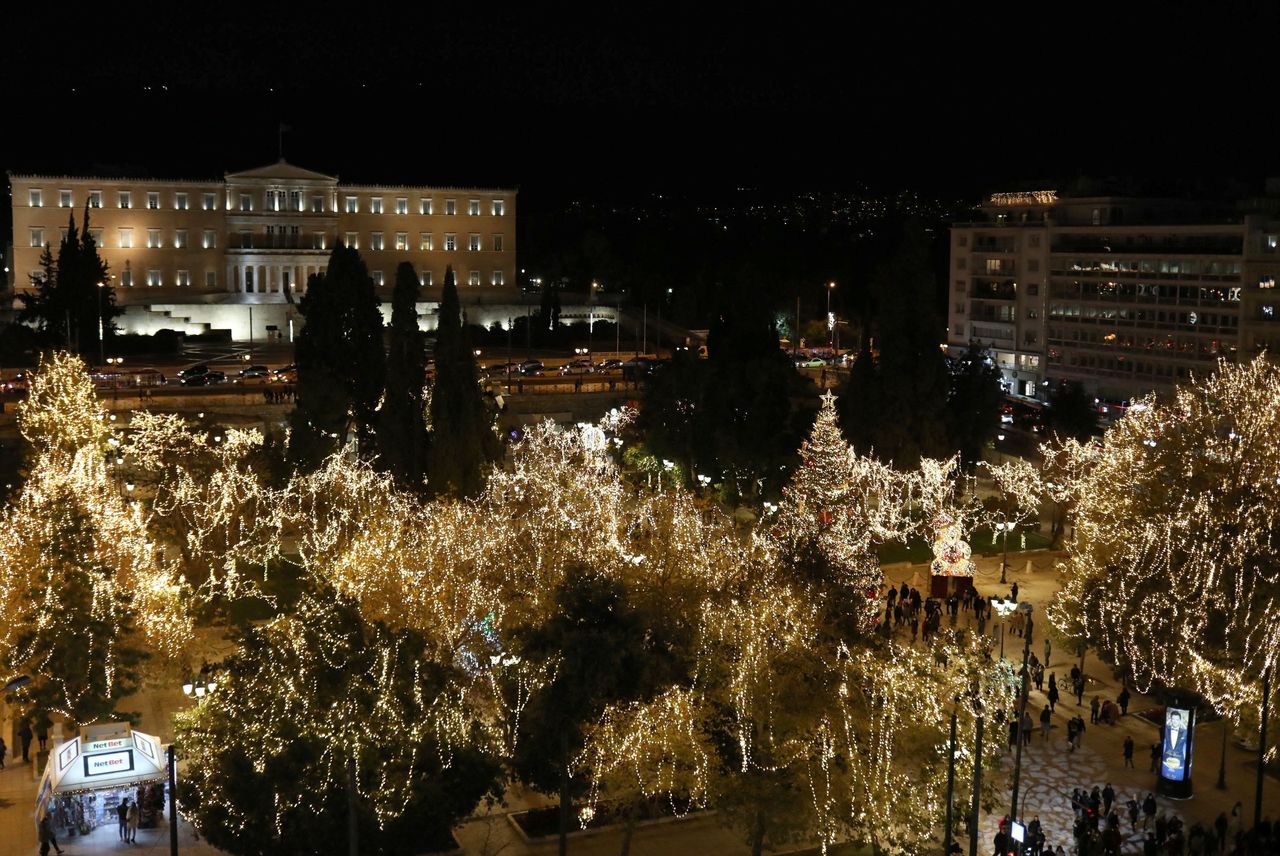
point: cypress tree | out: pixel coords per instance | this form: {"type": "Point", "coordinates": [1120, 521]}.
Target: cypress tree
{"type": "Point", "coordinates": [402, 427]}
{"type": "Point", "coordinates": [462, 441]}
{"type": "Point", "coordinates": [341, 364]}
{"type": "Point", "coordinates": [67, 299]}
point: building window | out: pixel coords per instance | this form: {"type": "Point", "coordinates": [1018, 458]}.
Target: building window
{"type": "Point", "coordinates": [424, 206]}
{"type": "Point", "coordinates": [153, 201]}
{"type": "Point", "coordinates": [402, 206]}
{"type": "Point", "coordinates": [180, 239]}
{"type": "Point", "coordinates": [353, 205]}
{"type": "Point", "coordinates": [1033, 265]}
{"type": "Point", "coordinates": [210, 239]}
{"type": "Point", "coordinates": [473, 243]}
{"type": "Point", "coordinates": [450, 207]}
{"type": "Point", "coordinates": [180, 201]}
{"type": "Point", "coordinates": [125, 199]}
{"type": "Point", "coordinates": [211, 279]}
{"type": "Point", "coordinates": [35, 198]}
{"type": "Point", "coordinates": [317, 240]}
{"type": "Point", "coordinates": [126, 278]}
{"type": "Point", "coordinates": [184, 278]}
{"type": "Point", "coordinates": [375, 205]}
{"type": "Point", "coordinates": [1030, 337]}
{"type": "Point", "coordinates": [375, 241]}
{"type": "Point", "coordinates": [499, 207]}
{"type": "Point", "coordinates": [497, 243]}
{"type": "Point", "coordinates": [126, 239]}
{"type": "Point", "coordinates": [402, 240]}
{"type": "Point", "coordinates": [424, 277]}
{"type": "Point", "coordinates": [1033, 289]}
{"type": "Point", "coordinates": [473, 278]}
{"type": "Point", "coordinates": [378, 279]}
{"type": "Point", "coordinates": [153, 278]}
{"type": "Point", "coordinates": [96, 236]}
{"type": "Point", "coordinates": [246, 202]}
{"type": "Point", "coordinates": [37, 237]}
{"type": "Point", "coordinates": [317, 205]}
{"type": "Point", "coordinates": [153, 239]}
{"type": "Point", "coordinates": [95, 198]}
{"type": "Point", "coordinates": [497, 277]}
{"type": "Point", "coordinates": [209, 201]}
{"type": "Point", "coordinates": [248, 279]}
{"type": "Point", "coordinates": [352, 240]}
{"type": "Point", "coordinates": [64, 198]}
{"type": "Point", "coordinates": [424, 242]}
{"type": "Point", "coordinates": [1033, 314]}
{"type": "Point", "coordinates": [473, 207]}
{"type": "Point", "coordinates": [962, 241]}
{"type": "Point", "coordinates": [962, 263]}
{"type": "Point", "coordinates": [450, 243]}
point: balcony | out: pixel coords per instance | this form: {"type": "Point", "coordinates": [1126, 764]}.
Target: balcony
{"type": "Point", "coordinates": [294, 243]}
{"type": "Point", "coordinates": [994, 289]}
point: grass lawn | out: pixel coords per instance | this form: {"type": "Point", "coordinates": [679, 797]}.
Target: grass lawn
{"type": "Point", "coordinates": [918, 551]}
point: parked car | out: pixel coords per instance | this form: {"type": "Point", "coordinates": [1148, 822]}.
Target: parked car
{"type": "Point", "coordinates": [812, 363]}
{"type": "Point", "coordinates": [609, 365]}
{"type": "Point", "coordinates": [193, 371]}
{"type": "Point", "coordinates": [532, 368]}
{"type": "Point", "coordinates": [286, 374]}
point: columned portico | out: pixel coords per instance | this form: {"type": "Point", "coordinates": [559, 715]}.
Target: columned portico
{"type": "Point", "coordinates": [259, 272]}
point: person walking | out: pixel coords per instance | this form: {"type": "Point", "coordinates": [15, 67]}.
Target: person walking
{"type": "Point", "coordinates": [42, 730]}
{"type": "Point", "coordinates": [1108, 797]}
{"type": "Point", "coordinates": [47, 838]}
{"type": "Point", "coordinates": [1014, 593]}
{"type": "Point", "coordinates": [1046, 722]}
{"type": "Point", "coordinates": [1080, 691]}
{"type": "Point", "coordinates": [1079, 732]}
{"type": "Point", "coordinates": [1148, 811]}
{"type": "Point", "coordinates": [3, 750]}
{"type": "Point", "coordinates": [122, 812]}
{"type": "Point", "coordinates": [1123, 701]}
{"type": "Point", "coordinates": [1028, 727]}
{"type": "Point", "coordinates": [1128, 751]}
{"type": "Point", "coordinates": [132, 821]}
{"type": "Point", "coordinates": [25, 735]}
{"type": "Point", "coordinates": [1094, 707]}
{"type": "Point", "coordinates": [1134, 810]}
{"type": "Point", "coordinates": [1071, 734]}
{"type": "Point", "coordinates": [1040, 677]}
{"type": "Point", "coordinates": [1155, 757]}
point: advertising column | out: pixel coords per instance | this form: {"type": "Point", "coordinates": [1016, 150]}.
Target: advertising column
{"type": "Point", "coordinates": [1177, 738]}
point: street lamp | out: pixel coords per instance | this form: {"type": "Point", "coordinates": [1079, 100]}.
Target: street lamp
{"type": "Point", "coordinates": [1003, 528]}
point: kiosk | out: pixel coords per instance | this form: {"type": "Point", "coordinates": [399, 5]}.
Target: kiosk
{"type": "Point", "coordinates": [89, 775]}
{"type": "Point", "coordinates": [1177, 739]}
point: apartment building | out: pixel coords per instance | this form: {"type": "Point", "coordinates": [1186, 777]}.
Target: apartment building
{"type": "Point", "coordinates": [1124, 295]}
{"type": "Point", "coordinates": [197, 252]}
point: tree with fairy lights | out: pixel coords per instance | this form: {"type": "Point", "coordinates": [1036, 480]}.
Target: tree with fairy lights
{"type": "Point", "coordinates": [1173, 572]}
{"type": "Point", "coordinates": [321, 709]}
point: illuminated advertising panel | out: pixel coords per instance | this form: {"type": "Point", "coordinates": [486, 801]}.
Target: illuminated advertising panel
{"type": "Point", "coordinates": [1175, 753]}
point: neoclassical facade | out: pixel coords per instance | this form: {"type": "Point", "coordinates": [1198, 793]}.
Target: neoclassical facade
{"type": "Point", "coordinates": [236, 254]}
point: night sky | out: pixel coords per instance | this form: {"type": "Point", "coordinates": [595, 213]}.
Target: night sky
{"type": "Point", "coordinates": [639, 97]}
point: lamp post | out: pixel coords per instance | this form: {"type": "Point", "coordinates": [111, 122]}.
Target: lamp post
{"type": "Point", "coordinates": [951, 784]}
{"type": "Point", "coordinates": [1021, 713]}
{"type": "Point", "coordinates": [1003, 608]}
{"type": "Point", "coordinates": [976, 813]}
{"type": "Point", "coordinates": [831, 286]}
{"type": "Point", "coordinates": [173, 802]}
{"type": "Point", "coordinates": [1003, 527]}
{"type": "Point", "coordinates": [102, 346]}
{"type": "Point", "coordinates": [1262, 745]}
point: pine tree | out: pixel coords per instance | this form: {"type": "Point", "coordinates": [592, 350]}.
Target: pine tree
{"type": "Point", "coordinates": [462, 439]}
{"type": "Point", "coordinates": [402, 429]}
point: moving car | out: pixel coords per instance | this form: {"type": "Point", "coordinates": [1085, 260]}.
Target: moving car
{"type": "Point", "coordinates": [209, 378]}
{"type": "Point", "coordinates": [577, 367]}
{"type": "Point", "coordinates": [255, 371]}
{"type": "Point", "coordinates": [609, 365]}
{"type": "Point", "coordinates": [532, 368]}
{"type": "Point", "coordinates": [812, 363]}
{"type": "Point", "coordinates": [193, 371]}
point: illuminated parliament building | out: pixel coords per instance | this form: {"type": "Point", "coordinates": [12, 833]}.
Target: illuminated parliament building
{"type": "Point", "coordinates": [196, 256]}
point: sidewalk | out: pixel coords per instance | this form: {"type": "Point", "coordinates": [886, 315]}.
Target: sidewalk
{"type": "Point", "coordinates": [1050, 772]}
